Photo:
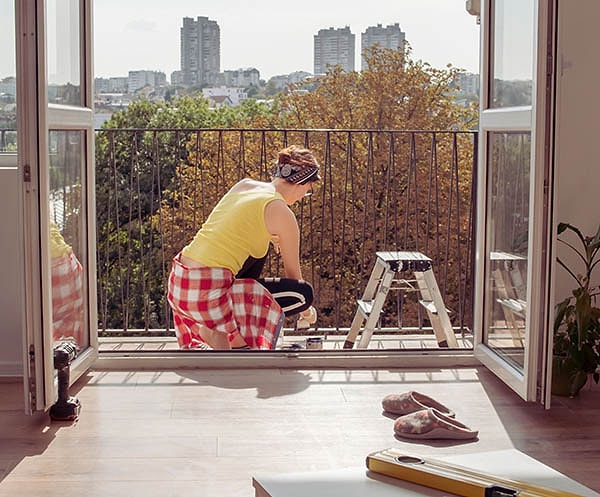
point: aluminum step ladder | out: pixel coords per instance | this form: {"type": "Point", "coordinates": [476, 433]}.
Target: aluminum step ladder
{"type": "Point", "coordinates": [383, 276]}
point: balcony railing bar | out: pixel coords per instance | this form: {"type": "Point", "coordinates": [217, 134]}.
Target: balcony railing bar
{"type": "Point", "coordinates": [8, 137]}
{"type": "Point", "coordinates": [345, 255]}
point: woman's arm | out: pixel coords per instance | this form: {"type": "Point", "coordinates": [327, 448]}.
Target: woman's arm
{"type": "Point", "coordinates": [281, 222]}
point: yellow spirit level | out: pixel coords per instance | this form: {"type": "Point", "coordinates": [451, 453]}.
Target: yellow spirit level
{"type": "Point", "coordinates": [452, 478]}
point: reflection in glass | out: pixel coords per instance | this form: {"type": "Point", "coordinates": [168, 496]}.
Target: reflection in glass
{"type": "Point", "coordinates": [507, 242]}
{"type": "Point", "coordinates": [64, 58]}
{"type": "Point", "coordinates": [512, 60]}
{"type": "Point", "coordinates": [67, 236]}
{"type": "Point", "coordinates": [8, 80]}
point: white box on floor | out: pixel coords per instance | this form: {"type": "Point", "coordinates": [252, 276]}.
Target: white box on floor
{"type": "Point", "coordinates": [359, 482]}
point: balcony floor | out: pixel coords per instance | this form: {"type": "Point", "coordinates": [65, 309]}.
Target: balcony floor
{"type": "Point", "coordinates": [290, 339]}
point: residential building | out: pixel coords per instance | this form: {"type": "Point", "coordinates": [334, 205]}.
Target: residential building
{"type": "Point", "coordinates": [217, 101]}
{"type": "Point", "coordinates": [240, 77]}
{"type": "Point", "coordinates": [111, 85]}
{"type": "Point", "coordinates": [139, 79]}
{"type": "Point", "coordinates": [200, 53]}
{"type": "Point", "coordinates": [8, 87]}
{"type": "Point", "coordinates": [389, 37]}
{"type": "Point", "coordinates": [281, 81]}
{"type": "Point", "coordinates": [235, 95]}
{"type": "Point", "coordinates": [334, 47]}
{"type": "Point", "coordinates": [468, 82]}
{"type": "Point", "coordinates": [176, 78]}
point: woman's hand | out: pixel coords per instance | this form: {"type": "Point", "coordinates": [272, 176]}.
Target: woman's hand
{"type": "Point", "coordinates": [307, 317]}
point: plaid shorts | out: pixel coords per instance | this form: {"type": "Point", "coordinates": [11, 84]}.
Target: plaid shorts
{"type": "Point", "coordinates": [67, 298]}
{"type": "Point", "coordinates": [212, 297]}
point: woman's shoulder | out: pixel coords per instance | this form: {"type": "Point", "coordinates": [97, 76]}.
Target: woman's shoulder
{"type": "Point", "coordinates": [252, 185]}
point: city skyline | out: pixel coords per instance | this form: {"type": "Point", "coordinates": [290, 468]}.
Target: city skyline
{"type": "Point", "coordinates": [276, 39]}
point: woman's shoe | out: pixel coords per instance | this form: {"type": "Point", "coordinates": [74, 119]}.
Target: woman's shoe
{"type": "Point", "coordinates": [432, 424]}
{"type": "Point", "coordinates": [412, 401]}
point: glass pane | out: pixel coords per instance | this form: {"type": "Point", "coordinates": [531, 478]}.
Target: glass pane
{"type": "Point", "coordinates": [67, 235]}
{"type": "Point", "coordinates": [64, 57]}
{"type": "Point", "coordinates": [512, 61]}
{"type": "Point", "coordinates": [507, 242]}
{"type": "Point", "coordinates": [8, 80]}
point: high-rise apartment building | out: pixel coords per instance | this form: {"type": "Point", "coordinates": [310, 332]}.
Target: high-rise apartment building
{"type": "Point", "coordinates": [334, 47]}
{"type": "Point", "coordinates": [139, 79]}
{"type": "Point", "coordinates": [200, 51]}
{"type": "Point", "coordinates": [389, 37]}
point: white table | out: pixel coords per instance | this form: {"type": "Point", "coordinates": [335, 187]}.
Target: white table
{"type": "Point", "coordinates": [359, 482]}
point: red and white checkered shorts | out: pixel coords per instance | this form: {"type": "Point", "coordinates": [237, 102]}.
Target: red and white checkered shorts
{"type": "Point", "coordinates": [67, 298]}
{"type": "Point", "coordinates": [214, 298]}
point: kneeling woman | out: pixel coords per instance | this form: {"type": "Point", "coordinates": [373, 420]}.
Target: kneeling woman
{"type": "Point", "coordinates": [215, 291]}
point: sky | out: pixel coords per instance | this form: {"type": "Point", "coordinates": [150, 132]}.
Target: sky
{"type": "Point", "coordinates": [273, 36]}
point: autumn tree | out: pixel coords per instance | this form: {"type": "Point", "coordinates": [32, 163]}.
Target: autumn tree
{"type": "Point", "coordinates": [385, 187]}
{"type": "Point", "coordinates": [390, 189]}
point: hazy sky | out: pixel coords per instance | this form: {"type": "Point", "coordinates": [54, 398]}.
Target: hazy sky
{"type": "Point", "coordinates": [274, 36]}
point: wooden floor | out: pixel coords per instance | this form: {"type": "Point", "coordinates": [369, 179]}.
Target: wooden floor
{"type": "Point", "coordinates": [206, 433]}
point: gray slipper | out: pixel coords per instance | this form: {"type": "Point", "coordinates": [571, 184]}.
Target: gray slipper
{"type": "Point", "coordinates": [432, 424]}
{"type": "Point", "coordinates": [405, 403]}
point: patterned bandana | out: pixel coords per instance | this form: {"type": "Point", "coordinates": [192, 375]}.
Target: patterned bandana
{"type": "Point", "coordinates": [296, 174]}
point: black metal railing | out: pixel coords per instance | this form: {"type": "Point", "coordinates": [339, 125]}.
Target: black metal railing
{"type": "Point", "coordinates": [381, 190]}
{"type": "Point", "coordinates": [8, 140]}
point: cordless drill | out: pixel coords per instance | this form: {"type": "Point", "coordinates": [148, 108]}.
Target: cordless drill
{"type": "Point", "coordinates": [66, 408]}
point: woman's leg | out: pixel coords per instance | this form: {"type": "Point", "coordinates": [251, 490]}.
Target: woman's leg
{"type": "Point", "coordinates": [216, 339]}
{"type": "Point", "coordinates": [257, 314]}
{"type": "Point", "coordinates": [293, 296]}
{"type": "Point", "coordinates": [199, 317]}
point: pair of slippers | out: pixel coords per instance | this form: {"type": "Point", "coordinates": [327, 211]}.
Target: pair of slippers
{"type": "Point", "coordinates": [421, 417]}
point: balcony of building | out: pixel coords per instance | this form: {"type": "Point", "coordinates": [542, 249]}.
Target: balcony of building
{"type": "Point", "coordinates": [382, 190]}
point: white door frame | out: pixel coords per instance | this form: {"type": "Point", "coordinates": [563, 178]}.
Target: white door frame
{"type": "Point", "coordinates": [35, 117]}
{"type": "Point", "coordinates": [530, 382]}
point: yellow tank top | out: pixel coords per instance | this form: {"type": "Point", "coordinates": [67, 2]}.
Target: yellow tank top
{"type": "Point", "coordinates": [58, 246]}
{"type": "Point", "coordinates": [234, 230]}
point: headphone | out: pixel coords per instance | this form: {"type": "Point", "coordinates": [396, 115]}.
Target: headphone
{"type": "Point", "coordinates": [285, 170]}
{"type": "Point", "coordinates": [299, 175]}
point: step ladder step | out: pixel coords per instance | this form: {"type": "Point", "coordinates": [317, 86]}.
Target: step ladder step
{"type": "Point", "coordinates": [405, 261]}
{"type": "Point", "coordinates": [515, 305]}
{"type": "Point", "coordinates": [430, 306]}
{"type": "Point", "coordinates": [365, 307]}
{"type": "Point", "coordinates": [404, 285]}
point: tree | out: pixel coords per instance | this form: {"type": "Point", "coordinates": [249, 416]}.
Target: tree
{"type": "Point", "coordinates": [395, 92]}
{"type": "Point", "coordinates": [395, 171]}
{"type": "Point", "coordinates": [136, 166]}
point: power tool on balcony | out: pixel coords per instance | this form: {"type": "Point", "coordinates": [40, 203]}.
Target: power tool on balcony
{"type": "Point", "coordinates": [66, 408]}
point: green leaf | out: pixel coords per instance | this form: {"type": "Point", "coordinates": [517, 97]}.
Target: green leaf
{"type": "Point", "coordinates": [583, 309]}
{"type": "Point", "coordinates": [559, 313]}
{"type": "Point", "coordinates": [561, 228]}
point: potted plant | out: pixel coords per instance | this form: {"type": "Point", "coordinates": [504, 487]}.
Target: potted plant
{"type": "Point", "coordinates": [576, 354]}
